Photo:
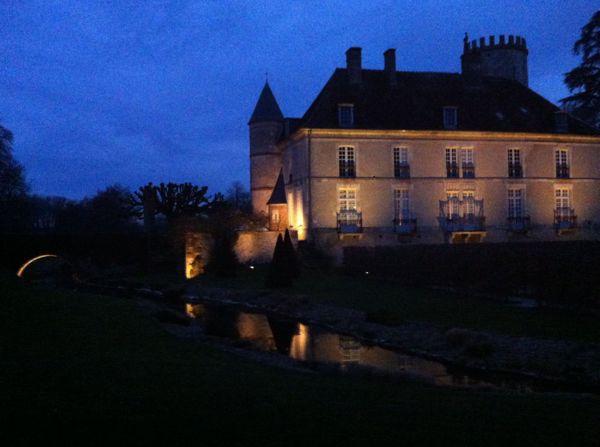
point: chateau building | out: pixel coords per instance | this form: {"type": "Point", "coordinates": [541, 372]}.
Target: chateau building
{"type": "Point", "coordinates": [386, 157]}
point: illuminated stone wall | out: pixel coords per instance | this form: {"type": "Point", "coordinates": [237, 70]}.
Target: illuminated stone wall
{"type": "Point", "coordinates": [251, 247]}
{"type": "Point", "coordinates": [375, 183]}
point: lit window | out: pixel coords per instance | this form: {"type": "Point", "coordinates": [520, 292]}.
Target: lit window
{"type": "Point", "coordinates": [401, 205]}
{"type": "Point", "coordinates": [468, 164]}
{"type": "Point", "coordinates": [346, 161]}
{"type": "Point", "coordinates": [347, 199]}
{"type": "Point", "coordinates": [562, 200]}
{"type": "Point", "coordinates": [452, 162]}
{"type": "Point", "coordinates": [515, 203]}
{"type": "Point", "coordinates": [346, 115]}
{"type": "Point", "coordinates": [564, 214]}
{"type": "Point", "coordinates": [515, 169]}
{"type": "Point", "coordinates": [561, 157]}
{"type": "Point", "coordinates": [468, 203]}
{"type": "Point", "coordinates": [401, 166]}
{"type": "Point", "coordinates": [450, 117]}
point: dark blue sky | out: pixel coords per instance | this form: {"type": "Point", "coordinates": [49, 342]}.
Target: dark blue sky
{"type": "Point", "coordinates": [128, 92]}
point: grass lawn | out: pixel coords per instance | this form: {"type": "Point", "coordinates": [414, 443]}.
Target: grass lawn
{"type": "Point", "coordinates": [91, 365]}
{"type": "Point", "coordinates": [439, 307]}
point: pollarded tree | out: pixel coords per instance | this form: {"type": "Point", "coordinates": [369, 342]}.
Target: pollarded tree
{"type": "Point", "coordinates": [172, 200]}
{"type": "Point", "coordinates": [584, 80]}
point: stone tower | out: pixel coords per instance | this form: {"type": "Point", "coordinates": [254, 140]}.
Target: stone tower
{"type": "Point", "coordinates": [266, 127]}
{"type": "Point", "coordinates": [503, 58]}
{"type": "Point", "coordinates": [278, 207]}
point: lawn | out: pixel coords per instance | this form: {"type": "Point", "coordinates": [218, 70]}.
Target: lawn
{"type": "Point", "coordinates": [73, 362]}
{"type": "Point", "coordinates": [440, 307]}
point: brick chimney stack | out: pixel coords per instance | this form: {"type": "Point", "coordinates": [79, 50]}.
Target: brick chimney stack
{"type": "Point", "coordinates": [389, 58]}
{"type": "Point", "coordinates": [354, 65]}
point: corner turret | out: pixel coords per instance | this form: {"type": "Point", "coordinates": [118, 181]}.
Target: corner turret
{"type": "Point", "coordinates": [278, 206]}
{"type": "Point", "coordinates": [266, 126]}
{"type": "Point", "coordinates": [503, 58]}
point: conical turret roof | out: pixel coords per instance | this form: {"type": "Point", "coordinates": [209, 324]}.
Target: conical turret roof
{"type": "Point", "coordinates": [266, 108]}
{"type": "Point", "coordinates": [278, 194]}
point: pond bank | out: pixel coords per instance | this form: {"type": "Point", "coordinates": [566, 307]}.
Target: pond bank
{"type": "Point", "coordinates": [560, 364]}
{"type": "Point", "coordinates": [554, 361]}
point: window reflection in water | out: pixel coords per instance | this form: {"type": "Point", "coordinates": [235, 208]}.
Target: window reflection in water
{"type": "Point", "coordinates": [303, 343]}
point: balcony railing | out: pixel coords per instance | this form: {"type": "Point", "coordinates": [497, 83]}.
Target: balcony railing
{"type": "Point", "coordinates": [515, 170]}
{"type": "Point", "coordinates": [462, 215]}
{"type": "Point", "coordinates": [565, 218]}
{"type": "Point", "coordinates": [468, 170]}
{"type": "Point", "coordinates": [405, 225]}
{"type": "Point", "coordinates": [401, 170]}
{"type": "Point", "coordinates": [347, 169]}
{"type": "Point", "coordinates": [349, 221]}
{"type": "Point", "coordinates": [452, 170]}
{"type": "Point", "coordinates": [562, 171]}
{"type": "Point", "coordinates": [518, 224]}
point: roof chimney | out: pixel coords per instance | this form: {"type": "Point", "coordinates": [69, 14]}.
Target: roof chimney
{"type": "Point", "coordinates": [389, 58]}
{"type": "Point", "coordinates": [354, 65]}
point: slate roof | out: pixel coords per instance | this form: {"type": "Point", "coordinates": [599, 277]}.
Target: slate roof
{"type": "Point", "coordinates": [266, 108]}
{"type": "Point", "coordinates": [278, 195]}
{"type": "Point", "coordinates": [485, 104]}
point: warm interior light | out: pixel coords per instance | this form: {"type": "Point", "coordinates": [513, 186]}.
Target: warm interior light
{"type": "Point", "coordinates": [31, 261]}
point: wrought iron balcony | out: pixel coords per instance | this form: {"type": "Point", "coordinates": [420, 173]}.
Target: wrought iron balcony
{"type": "Point", "coordinates": [515, 170]}
{"type": "Point", "coordinates": [347, 168]}
{"type": "Point", "coordinates": [461, 215]}
{"type": "Point", "coordinates": [468, 170]}
{"type": "Point", "coordinates": [562, 171]}
{"type": "Point", "coordinates": [349, 221]}
{"type": "Point", "coordinates": [452, 170]}
{"type": "Point", "coordinates": [519, 224]}
{"type": "Point", "coordinates": [401, 170]}
{"type": "Point", "coordinates": [565, 218]}
{"type": "Point", "coordinates": [405, 226]}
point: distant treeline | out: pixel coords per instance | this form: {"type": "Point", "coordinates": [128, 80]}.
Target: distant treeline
{"type": "Point", "coordinates": [102, 249]}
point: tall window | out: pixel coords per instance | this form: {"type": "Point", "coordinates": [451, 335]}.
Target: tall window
{"type": "Point", "coordinates": [453, 204]}
{"type": "Point", "coordinates": [468, 165]}
{"type": "Point", "coordinates": [346, 115]}
{"type": "Point", "coordinates": [347, 199]}
{"type": "Point", "coordinates": [452, 162]}
{"type": "Point", "coordinates": [450, 118]}
{"type": "Point", "coordinates": [346, 161]}
{"type": "Point", "coordinates": [515, 170]}
{"type": "Point", "coordinates": [562, 199]}
{"type": "Point", "coordinates": [401, 166]}
{"type": "Point", "coordinates": [469, 202]}
{"type": "Point", "coordinates": [401, 205]}
{"type": "Point", "coordinates": [561, 156]}
{"type": "Point", "coordinates": [515, 203]}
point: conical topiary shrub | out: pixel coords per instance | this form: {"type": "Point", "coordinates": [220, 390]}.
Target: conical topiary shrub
{"type": "Point", "coordinates": [279, 272]}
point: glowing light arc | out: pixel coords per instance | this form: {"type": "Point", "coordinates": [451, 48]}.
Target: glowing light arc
{"type": "Point", "coordinates": [31, 261]}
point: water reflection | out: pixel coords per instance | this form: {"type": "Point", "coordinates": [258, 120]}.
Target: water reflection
{"type": "Point", "coordinates": [311, 344]}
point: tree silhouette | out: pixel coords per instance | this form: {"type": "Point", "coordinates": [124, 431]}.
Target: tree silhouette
{"type": "Point", "coordinates": [12, 175]}
{"type": "Point", "coordinates": [171, 200]}
{"type": "Point", "coordinates": [584, 80]}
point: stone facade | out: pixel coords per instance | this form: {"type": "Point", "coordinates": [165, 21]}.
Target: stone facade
{"type": "Point", "coordinates": [514, 176]}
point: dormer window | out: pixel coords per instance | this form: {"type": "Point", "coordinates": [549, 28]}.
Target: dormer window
{"type": "Point", "coordinates": [346, 115]}
{"type": "Point", "coordinates": [561, 121]}
{"type": "Point", "coordinates": [450, 117]}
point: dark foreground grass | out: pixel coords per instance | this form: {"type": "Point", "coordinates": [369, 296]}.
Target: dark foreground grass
{"type": "Point", "coordinates": [97, 370]}
{"type": "Point", "coordinates": [445, 308]}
